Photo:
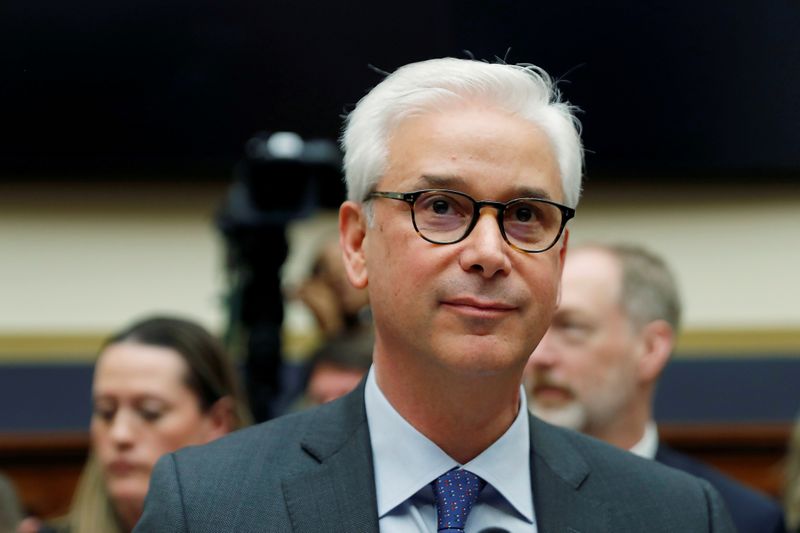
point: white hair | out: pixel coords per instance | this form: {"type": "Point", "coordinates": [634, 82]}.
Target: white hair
{"type": "Point", "coordinates": [521, 90]}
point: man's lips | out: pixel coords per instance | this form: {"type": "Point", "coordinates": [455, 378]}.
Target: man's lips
{"type": "Point", "coordinates": [479, 305]}
{"type": "Point", "coordinates": [549, 394]}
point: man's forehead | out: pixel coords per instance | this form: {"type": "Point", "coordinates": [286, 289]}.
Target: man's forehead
{"type": "Point", "coordinates": [481, 150]}
{"type": "Point", "coordinates": [582, 260]}
{"type": "Point", "coordinates": [590, 274]}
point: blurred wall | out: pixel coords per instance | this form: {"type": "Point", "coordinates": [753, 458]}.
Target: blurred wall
{"type": "Point", "coordinates": [84, 258]}
{"type": "Point", "coordinates": [80, 259]}
{"type": "Point", "coordinates": [734, 248]}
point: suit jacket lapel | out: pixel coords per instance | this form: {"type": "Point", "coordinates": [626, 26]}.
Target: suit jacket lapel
{"type": "Point", "coordinates": [339, 494]}
{"type": "Point", "coordinates": [557, 474]}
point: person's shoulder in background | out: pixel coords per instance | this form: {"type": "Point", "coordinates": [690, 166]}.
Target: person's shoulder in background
{"type": "Point", "coordinates": [752, 511]}
{"type": "Point", "coordinates": [632, 493]}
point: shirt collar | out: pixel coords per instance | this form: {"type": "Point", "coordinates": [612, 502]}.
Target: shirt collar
{"type": "Point", "coordinates": [648, 446]}
{"type": "Point", "coordinates": [405, 460]}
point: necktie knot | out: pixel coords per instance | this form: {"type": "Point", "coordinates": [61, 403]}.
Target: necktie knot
{"type": "Point", "coordinates": [455, 493]}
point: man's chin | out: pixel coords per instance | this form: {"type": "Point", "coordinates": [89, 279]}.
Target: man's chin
{"type": "Point", "coordinates": [571, 415]}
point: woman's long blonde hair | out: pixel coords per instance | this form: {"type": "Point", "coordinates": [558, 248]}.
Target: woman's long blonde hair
{"type": "Point", "coordinates": [791, 492]}
{"type": "Point", "coordinates": [91, 510]}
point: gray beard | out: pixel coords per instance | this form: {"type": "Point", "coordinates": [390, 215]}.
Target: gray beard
{"type": "Point", "coordinates": [571, 416]}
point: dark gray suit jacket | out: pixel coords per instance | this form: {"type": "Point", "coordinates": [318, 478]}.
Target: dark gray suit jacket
{"type": "Point", "coordinates": [312, 472]}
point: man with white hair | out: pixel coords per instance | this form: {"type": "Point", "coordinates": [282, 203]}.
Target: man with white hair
{"type": "Point", "coordinates": [461, 176]}
{"type": "Point", "coordinates": [597, 367]}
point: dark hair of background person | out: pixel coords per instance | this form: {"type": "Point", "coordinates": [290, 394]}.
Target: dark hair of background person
{"type": "Point", "coordinates": [335, 367]}
{"type": "Point", "coordinates": [352, 349]}
{"type": "Point", "coordinates": [211, 376]}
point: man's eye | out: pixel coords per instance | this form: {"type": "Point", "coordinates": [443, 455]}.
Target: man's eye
{"type": "Point", "coordinates": [440, 206]}
{"type": "Point", "coordinates": [523, 214]}
{"type": "Point", "coordinates": [574, 331]}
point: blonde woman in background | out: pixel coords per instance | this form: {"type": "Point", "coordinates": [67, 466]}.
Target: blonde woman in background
{"type": "Point", "coordinates": [159, 385]}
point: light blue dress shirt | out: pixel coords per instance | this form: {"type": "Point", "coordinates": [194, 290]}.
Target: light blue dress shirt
{"type": "Point", "coordinates": [406, 462]}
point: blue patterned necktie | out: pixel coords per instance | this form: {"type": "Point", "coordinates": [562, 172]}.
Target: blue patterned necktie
{"type": "Point", "coordinates": [455, 493]}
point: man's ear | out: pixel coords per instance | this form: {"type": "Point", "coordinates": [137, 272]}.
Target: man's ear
{"type": "Point", "coordinates": [562, 253]}
{"type": "Point", "coordinates": [352, 233]}
{"type": "Point", "coordinates": [562, 256]}
{"type": "Point", "coordinates": [658, 339]}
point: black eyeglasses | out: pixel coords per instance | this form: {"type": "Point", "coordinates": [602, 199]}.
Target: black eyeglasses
{"type": "Point", "coordinates": [442, 216]}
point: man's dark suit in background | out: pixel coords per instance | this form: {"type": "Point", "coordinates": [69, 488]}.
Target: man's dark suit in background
{"type": "Point", "coordinates": [750, 510]}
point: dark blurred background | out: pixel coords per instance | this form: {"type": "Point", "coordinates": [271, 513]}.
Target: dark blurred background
{"type": "Point", "coordinates": [704, 89]}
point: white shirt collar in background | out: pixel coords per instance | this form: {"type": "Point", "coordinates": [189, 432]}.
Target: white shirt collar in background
{"type": "Point", "coordinates": [648, 446]}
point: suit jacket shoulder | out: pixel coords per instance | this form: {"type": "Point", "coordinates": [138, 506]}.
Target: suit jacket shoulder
{"type": "Point", "coordinates": [752, 511]}
{"type": "Point", "coordinates": [310, 471]}
{"type": "Point", "coordinates": [581, 484]}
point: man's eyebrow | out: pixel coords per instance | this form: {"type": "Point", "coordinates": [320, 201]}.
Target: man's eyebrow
{"type": "Point", "coordinates": [532, 192]}
{"type": "Point", "coordinates": [458, 183]}
{"type": "Point", "coordinates": [452, 181]}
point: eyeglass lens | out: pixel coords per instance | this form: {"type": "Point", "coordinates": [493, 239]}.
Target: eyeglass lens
{"type": "Point", "coordinates": [445, 217]}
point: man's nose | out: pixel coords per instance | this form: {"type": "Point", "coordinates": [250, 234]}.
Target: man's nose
{"type": "Point", "coordinates": [486, 251]}
{"type": "Point", "coordinates": [545, 354]}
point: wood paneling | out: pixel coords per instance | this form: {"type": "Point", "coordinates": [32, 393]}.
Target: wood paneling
{"type": "Point", "coordinates": [44, 468]}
